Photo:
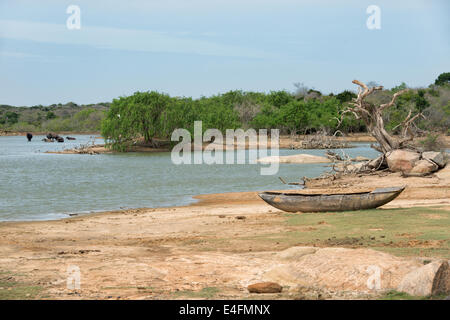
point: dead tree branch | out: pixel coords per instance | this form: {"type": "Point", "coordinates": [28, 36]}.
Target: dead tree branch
{"type": "Point", "coordinates": [373, 118]}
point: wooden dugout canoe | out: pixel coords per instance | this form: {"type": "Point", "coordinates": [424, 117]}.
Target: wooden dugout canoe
{"type": "Point", "coordinates": [298, 202]}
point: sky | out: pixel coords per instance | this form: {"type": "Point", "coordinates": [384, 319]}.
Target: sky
{"type": "Point", "coordinates": [205, 47]}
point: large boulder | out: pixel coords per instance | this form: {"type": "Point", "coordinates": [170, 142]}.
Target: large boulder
{"type": "Point", "coordinates": [424, 167]}
{"type": "Point", "coordinates": [360, 270]}
{"type": "Point", "coordinates": [437, 157]}
{"type": "Point", "coordinates": [402, 160]}
{"type": "Point", "coordinates": [431, 279]}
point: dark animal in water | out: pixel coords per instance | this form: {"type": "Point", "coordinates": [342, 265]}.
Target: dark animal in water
{"type": "Point", "coordinates": [29, 136]}
{"type": "Point", "coordinates": [70, 138]}
{"type": "Point", "coordinates": [304, 202]}
{"type": "Point", "coordinates": [53, 136]}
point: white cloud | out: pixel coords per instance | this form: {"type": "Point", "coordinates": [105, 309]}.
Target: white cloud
{"type": "Point", "coordinates": [121, 39]}
{"type": "Point", "coordinates": [16, 54]}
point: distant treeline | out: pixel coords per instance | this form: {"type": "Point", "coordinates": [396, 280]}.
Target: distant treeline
{"type": "Point", "coordinates": [156, 115]}
{"type": "Point", "coordinates": [53, 118]}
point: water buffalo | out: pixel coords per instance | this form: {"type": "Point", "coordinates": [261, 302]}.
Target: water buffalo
{"type": "Point", "coordinates": [70, 138]}
{"type": "Point", "coordinates": [29, 137]}
{"type": "Point", "coordinates": [54, 136]}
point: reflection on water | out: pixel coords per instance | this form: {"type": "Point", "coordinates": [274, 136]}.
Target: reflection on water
{"type": "Point", "coordinates": [36, 186]}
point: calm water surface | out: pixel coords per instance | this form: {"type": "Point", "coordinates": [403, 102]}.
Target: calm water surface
{"type": "Point", "coordinates": [39, 186]}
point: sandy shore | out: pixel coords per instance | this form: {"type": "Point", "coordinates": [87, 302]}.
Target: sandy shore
{"type": "Point", "coordinates": [285, 142]}
{"type": "Point", "coordinates": [213, 248]}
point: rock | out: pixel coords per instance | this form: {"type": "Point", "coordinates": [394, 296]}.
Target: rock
{"type": "Point", "coordinates": [352, 167]}
{"type": "Point", "coordinates": [295, 253]}
{"type": "Point", "coordinates": [265, 287]}
{"type": "Point", "coordinates": [424, 167]}
{"type": "Point", "coordinates": [402, 160]}
{"type": "Point", "coordinates": [431, 279]}
{"type": "Point", "coordinates": [361, 270]}
{"type": "Point", "coordinates": [297, 158]}
{"type": "Point", "coordinates": [436, 157]}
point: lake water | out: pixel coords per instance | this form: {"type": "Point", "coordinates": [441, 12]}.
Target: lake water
{"type": "Point", "coordinates": [35, 185]}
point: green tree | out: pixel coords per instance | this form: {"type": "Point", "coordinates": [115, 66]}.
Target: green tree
{"type": "Point", "coordinates": [11, 117]}
{"type": "Point", "coordinates": [400, 87]}
{"type": "Point", "coordinates": [268, 118]}
{"type": "Point", "coordinates": [50, 115]}
{"type": "Point", "coordinates": [292, 116]}
{"type": "Point", "coordinates": [279, 98]}
{"type": "Point", "coordinates": [345, 96]}
{"type": "Point", "coordinates": [443, 78]}
{"type": "Point", "coordinates": [420, 100]}
{"type": "Point", "coordinates": [135, 116]}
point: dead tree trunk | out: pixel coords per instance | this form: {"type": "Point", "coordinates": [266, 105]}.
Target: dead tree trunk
{"type": "Point", "coordinates": [373, 118]}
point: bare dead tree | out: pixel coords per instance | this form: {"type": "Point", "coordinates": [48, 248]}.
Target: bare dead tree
{"type": "Point", "coordinates": [301, 90]}
{"type": "Point", "coordinates": [372, 116]}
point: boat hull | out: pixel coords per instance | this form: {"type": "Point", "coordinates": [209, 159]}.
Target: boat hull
{"type": "Point", "coordinates": [297, 202]}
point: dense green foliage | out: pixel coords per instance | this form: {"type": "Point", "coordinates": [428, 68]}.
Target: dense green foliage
{"type": "Point", "coordinates": [54, 118]}
{"type": "Point", "coordinates": [154, 116]}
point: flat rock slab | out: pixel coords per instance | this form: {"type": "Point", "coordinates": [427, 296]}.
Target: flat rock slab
{"type": "Point", "coordinates": [296, 158]}
{"type": "Point", "coordinates": [361, 270]}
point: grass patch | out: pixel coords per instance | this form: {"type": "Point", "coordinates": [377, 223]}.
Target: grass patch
{"type": "Point", "coordinates": [205, 293]}
{"type": "Point", "coordinates": [11, 289]}
{"type": "Point", "coordinates": [119, 287]}
{"type": "Point", "coordinates": [403, 232]}
{"type": "Point", "coordinates": [395, 295]}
